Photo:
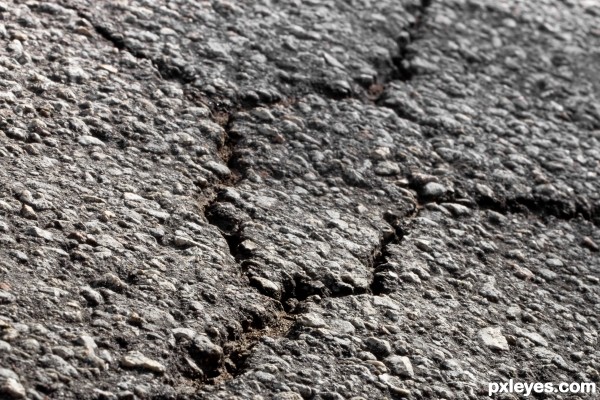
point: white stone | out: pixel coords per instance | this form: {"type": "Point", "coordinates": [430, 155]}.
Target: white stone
{"type": "Point", "coordinates": [135, 359]}
{"type": "Point", "coordinates": [400, 366]}
{"type": "Point", "coordinates": [493, 338]}
{"type": "Point", "coordinates": [37, 232]}
{"type": "Point", "coordinates": [90, 141]}
{"type": "Point", "coordinates": [311, 320]}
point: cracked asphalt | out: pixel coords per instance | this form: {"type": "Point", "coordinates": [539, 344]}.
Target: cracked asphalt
{"type": "Point", "coordinates": [284, 199]}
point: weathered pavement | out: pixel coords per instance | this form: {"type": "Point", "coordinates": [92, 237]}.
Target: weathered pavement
{"type": "Point", "coordinates": [319, 199]}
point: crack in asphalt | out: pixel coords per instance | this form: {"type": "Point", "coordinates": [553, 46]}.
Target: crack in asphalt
{"type": "Point", "coordinates": [542, 207]}
{"type": "Point", "coordinates": [398, 69]}
{"type": "Point", "coordinates": [164, 69]}
{"type": "Point", "coordinates": [298, 288]}
{"type": "Point", "coordinates": [222, 111]}
{"type": "Point", "coordinates": [380, 280]}
{"type": "Point", "coordinates": [402, 69]}
{"type": "Point", "coordinates": [538, 205]}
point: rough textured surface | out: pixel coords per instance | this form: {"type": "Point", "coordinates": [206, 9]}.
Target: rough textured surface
{"type": "Point", "coordinates": [319, 199]}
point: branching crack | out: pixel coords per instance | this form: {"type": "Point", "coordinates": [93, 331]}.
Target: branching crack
{"type": "Point", "coordinates": [218, 214]}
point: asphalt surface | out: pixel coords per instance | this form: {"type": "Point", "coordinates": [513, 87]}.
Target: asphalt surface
{"type": "Point", "coordinates": [320, 199]}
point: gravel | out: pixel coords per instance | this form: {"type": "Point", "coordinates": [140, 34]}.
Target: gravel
{"type": "Point", "coordinates": [297, 200]}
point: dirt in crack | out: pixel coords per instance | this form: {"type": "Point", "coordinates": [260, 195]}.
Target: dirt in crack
{"type": "Point", "coordinates": [236, 353]}
{"type": "Point", "coordinates": [226, 218]}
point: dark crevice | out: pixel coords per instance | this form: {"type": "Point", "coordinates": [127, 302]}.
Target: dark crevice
{"type": "Point", "coordinates": [384, 281]}
{"type": "Point", "coordinates": [542, 207]}
{"type": "Point", "coordinates": [299, 288]}
{"type": "Point", "coordinates": [225, 217]}
{"type": "Point", "coordinates": [231, 236]}
{"type": "Point", "coordinates": [403, 70]}
{"type": "Point", "coordinates": [227, 151]}
{"type": "Point", "coordinates": [538, 205]}
{"type": "Point", "coordinates": [116, 40]}
{"type": "Point", "coordinates": [402, 112]}
{"type": "Point", "coordinates": [236, 352]}
{"type": "Point", "coordinates": [333, 90]}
